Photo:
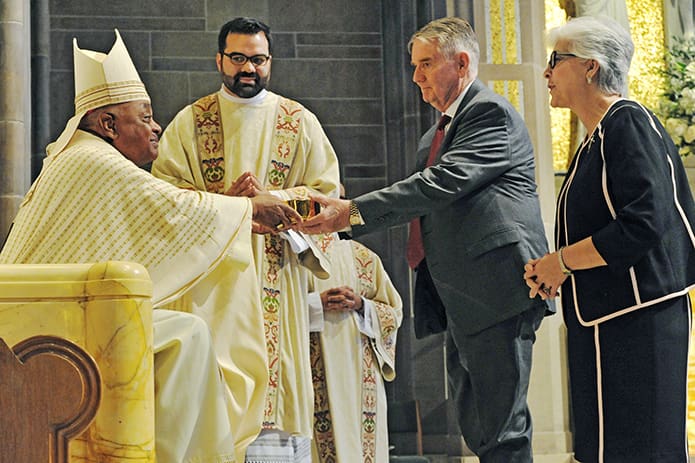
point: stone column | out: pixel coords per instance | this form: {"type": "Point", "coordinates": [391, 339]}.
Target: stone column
{"type": "Point", "coordinates": [40, 83]}
{"type": "Point", "coordinates": [15, 109]}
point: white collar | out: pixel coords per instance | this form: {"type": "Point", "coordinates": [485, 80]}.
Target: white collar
{"type": "Point", "coordinates": [235, 99]}
{"type": "Point", "coordinates": [451, 110]}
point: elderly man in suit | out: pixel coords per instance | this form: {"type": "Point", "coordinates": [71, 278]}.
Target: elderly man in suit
{"type": "Point", "coordinates": [476, 211]}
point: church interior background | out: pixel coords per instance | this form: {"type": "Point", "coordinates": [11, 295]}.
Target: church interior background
{"type": "Point", "coordinates": [347, 62]}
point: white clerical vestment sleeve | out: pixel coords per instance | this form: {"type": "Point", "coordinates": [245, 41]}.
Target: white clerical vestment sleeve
{"type": "Point", "coordinates": [315, 312]}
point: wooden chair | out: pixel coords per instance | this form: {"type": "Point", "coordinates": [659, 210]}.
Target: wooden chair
{"type": "Point", "coordinates": [106, 309]}
{"type": "Point", "coordinates": [50, 389]}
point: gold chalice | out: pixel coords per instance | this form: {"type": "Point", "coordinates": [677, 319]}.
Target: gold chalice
{"type": "Point", "coordinates": [305, 207]}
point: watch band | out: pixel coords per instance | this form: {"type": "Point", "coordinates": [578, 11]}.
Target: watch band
{"type": "Point", "coordinates": [355, 216]}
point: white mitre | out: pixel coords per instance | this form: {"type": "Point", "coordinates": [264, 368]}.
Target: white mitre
{"type": "Point", "coordinates": [100, 80]}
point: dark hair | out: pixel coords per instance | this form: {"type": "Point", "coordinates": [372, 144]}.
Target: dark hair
{"type": "Point", "coordinates": [241, 25]}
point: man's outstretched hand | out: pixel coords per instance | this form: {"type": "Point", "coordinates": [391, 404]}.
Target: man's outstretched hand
{"type": "Point", "coordinates": [272, 214]}
{"type": "Point", "coordinates": [334, 216]}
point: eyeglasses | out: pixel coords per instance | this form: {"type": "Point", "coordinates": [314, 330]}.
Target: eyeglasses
{"type": "Point", "coordinates": [554, 58]}
{"type": "Point", "coordinates": [240, 59]}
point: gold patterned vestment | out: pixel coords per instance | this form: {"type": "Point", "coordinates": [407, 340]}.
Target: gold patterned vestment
{"type": "Point", "coordinates": [284, 146]}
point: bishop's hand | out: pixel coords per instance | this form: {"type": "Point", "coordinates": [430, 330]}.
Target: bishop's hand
{"type": "Point", "coordinates": [272, 213]}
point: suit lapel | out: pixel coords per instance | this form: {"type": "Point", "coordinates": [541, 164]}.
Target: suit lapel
{"type": "Point", "coordinates": [424, 148]}
{"type": "Point", "coordinates": [476, 87]}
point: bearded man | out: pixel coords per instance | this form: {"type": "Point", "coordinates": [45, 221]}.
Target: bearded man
{"type": "Point", "coordinates": [242, 141]}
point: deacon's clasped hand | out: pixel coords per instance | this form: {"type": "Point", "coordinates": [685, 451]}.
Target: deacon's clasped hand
{"type": "Point", "coordinates": [341, 298]}
{"type": "Point", "coordinates": [334, 216]}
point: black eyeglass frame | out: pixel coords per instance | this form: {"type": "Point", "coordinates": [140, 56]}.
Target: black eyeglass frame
{"type": "Point", "coordinates": [552, 61]}
{"type": "Point", "coordinates": [257, 60]}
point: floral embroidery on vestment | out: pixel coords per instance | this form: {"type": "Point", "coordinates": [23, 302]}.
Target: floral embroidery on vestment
{"type": "Point", "coordinates": [210, 141]}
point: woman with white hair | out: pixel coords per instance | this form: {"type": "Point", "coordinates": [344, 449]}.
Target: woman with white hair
{"type": "Point", "coordinates": [625, 257]}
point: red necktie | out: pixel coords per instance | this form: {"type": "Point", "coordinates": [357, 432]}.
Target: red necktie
{"type": "Point", "coordinates": [415, 251]}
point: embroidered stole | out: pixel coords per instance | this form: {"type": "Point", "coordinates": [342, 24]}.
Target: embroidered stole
{"type": "Point", "coordinates": [210, 142]}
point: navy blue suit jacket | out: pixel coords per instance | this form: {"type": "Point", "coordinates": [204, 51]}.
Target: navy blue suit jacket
{"type": "Point", "coordinates": [628, 190]}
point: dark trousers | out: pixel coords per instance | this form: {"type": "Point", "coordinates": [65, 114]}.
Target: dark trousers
{"type": "Point", "coordinates": [489, 376]}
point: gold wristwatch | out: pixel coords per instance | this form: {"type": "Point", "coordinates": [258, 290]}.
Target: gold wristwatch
{"type": "Point", "coordinates": [355, 216]}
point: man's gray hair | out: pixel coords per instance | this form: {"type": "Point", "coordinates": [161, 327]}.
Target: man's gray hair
{"type": "Point", "coordinates": [452, 35]}
{"type": "Point", "coordinates": [603, 40]}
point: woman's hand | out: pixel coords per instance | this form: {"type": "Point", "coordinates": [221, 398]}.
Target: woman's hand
{"type": "Point", "coordinates": [544, 276]}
